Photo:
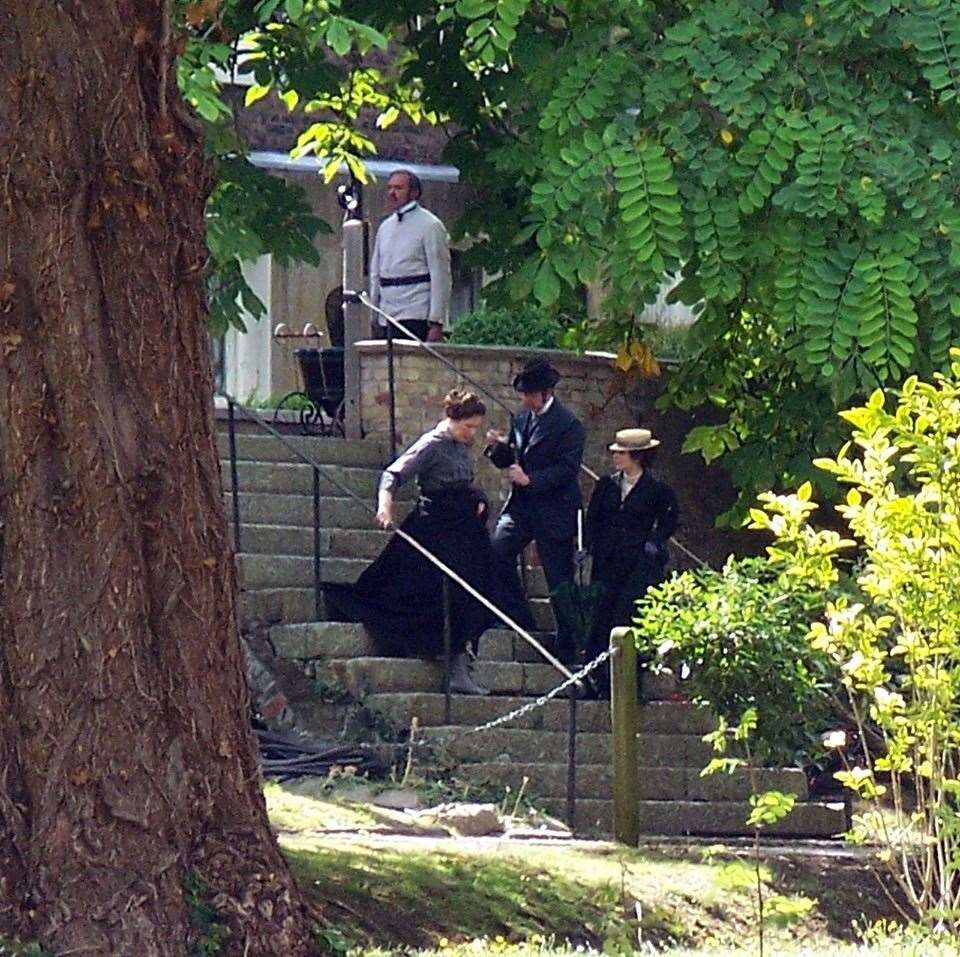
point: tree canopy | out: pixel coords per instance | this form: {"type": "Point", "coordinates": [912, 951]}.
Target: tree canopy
{"type": "Point", "coordinates": [791, 161]}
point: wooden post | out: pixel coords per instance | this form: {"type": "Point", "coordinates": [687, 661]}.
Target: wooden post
{"type": "Point", "coordinates": [624, 706]}
{"type": "Point", "coordinates": [353, 322]}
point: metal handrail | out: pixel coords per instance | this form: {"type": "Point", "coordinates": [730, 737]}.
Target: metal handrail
{"type": "Point", "coordinates": [319, 468]}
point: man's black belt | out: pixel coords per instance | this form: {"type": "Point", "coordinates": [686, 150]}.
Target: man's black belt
{"type": "Point", "coordinates": [404, 280]}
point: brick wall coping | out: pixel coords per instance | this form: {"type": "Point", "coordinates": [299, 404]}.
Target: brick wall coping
{"type": "Point", "coordinates": [454, 350]}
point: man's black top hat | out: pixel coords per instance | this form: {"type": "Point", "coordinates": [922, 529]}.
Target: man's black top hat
{"type": "Point", "coordinates": [537, 375]}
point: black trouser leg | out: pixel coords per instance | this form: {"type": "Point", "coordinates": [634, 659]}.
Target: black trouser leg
{"type": "Point", "coordinates": [419, 327]}
{"type": "Point", "coordinates": [557, 560]}
{"type": "Point", "coordinates": [508, 541]}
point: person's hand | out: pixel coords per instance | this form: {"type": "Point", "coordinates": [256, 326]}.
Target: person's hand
{"type": "Point", "coordinates": [518, 476]}
{"type": "Point", "coordinates": [385, 516]}
{"type": "Point", "coordinates": [434, 332]}
{"type": "Point", "coordinates": [481, 509]}
{"type": "Point", "coordinates": [493, 437]}
{"type": "Point", "coordinates": [653, 550]}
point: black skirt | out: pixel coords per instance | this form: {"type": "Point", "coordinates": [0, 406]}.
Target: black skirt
{"type": "Point", "coordinates": [399, 598]}
{"type": "Point", "coordinates": [625, 578]}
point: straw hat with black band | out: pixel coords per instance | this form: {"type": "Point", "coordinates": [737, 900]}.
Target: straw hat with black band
{"type": "Point", "coordinates": [633, 440]}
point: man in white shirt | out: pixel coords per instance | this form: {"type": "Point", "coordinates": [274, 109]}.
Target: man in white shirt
{"type": "Point", "coordinates": [410, 266]}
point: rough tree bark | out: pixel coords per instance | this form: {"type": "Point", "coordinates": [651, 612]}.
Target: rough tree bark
{"type": "Point", "coordinates": [127, 766]}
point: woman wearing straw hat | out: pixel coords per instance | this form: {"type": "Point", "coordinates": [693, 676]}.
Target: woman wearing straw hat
{"type": "Point", "coordinates": [630, 518]}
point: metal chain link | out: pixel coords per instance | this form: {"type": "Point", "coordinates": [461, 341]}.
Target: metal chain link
{"type": "Point", "coordinates": [542, 700]}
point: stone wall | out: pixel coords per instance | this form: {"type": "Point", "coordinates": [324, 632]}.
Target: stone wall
{"type": "Point", "coordinates": [586, 387]}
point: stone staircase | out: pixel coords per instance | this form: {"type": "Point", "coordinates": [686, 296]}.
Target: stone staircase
{"type": "Point", "coordinates": [276, 565]}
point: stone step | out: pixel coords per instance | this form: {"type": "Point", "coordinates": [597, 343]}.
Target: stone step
{"type": "Point", "coordinates": [279, 540]}
{"type": "Point", "coordinates": [293, 571]}
{"type": "Point", "coordinates": [258, 508]}
{"type": "Point", "coordinates": [263, 447]}
{"type": "Point", "coordinates": [501, 644]}
{"type": "Point", "coordinates": [321, 639]}
{"type": "Point", "coordinates": [338, 639]}
{"type": "Point", "coordinates": [290, 478]}
{"type": "Point", "coordinates": [336, 512]}
{"type": "Point", "coordinates": [381, 675]}
{"type": "Point", "coordinates": [704, 818]}
{"type": "Point", "coordinates": [294, 540]}
{"type": "Point", "coordinates": [469, 711]}
{"type": "Point", "coordinates": [506, 745]}
{"type": "Point", "coordinates": [655, 784]}
{"type": "Point", "coordinates": [296, 606]}
{"type": "Point", "coordinates": [368, 676]}
{"type": "Point", "coordinates": [296, 571]}
{"type": "Point", "coordinates": [271, 605]}
{"type": "Point", "coordinates": [654, 717]}
{"type": "Point", "coordinates": [498, 644]}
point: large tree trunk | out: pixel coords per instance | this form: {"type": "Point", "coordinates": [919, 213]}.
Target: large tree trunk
{"type": "Point", "coordinates": [127, 767]}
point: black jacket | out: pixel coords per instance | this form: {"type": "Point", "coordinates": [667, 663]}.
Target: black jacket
{"type": "Point", "coordinates": [549, 448]}
{"type": "Point", "coordinates": [618, 530]}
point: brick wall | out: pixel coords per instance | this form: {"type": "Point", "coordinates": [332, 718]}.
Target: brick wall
{"type": "Point", "coordinates": [704, 492]}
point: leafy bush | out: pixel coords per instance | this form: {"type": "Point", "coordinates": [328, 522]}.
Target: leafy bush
{"type": "Point", "coordinates": [740, 633]}
{"type": "Point", "coordinates": [529, 328]}
{"type": "Point", "coordinates": [898, 647]}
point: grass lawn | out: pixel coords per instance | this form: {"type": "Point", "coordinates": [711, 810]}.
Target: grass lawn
{"type": "Point", "coordinates": [389, 893]}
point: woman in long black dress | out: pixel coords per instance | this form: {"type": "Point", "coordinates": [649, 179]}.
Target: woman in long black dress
{"type": "Point", "coordinates": [399, 598]}
{"type": "Point", "coordinates": [630, 518]}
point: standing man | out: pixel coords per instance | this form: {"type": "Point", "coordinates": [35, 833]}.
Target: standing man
{"type": "Point", "coordinates": [542, 456]}
{"type": "Point", "coordinates": [410, 265]}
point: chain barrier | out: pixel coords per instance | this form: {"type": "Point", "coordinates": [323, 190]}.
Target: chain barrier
{"type": "Point", "coordinates": [525, 709]}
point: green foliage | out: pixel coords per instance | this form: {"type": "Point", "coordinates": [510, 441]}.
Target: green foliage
{"type": "Point", "coordinates": [331, 940]}
{"type": "Point", "coordinates": [897, 648]}
{"type": "Point", "coordinates": [249, 214]}
{"type": "Point", "coordinates": [889, 937]}
{"type": "Point", "coordinates": [767, 808]}
{"type": "Point", "coordinates": [391, 893]}
{"type": "Point", "coordinates": [650, 214]}
{"type": "Point", "coordinates": [285, 46]}
{"type": "Point", "coordinates": [933, 30]}
{"type": "Point", "coordinates": [517, 326]}
{"type": "Point", "coordinates": [211, 935]}
{"type": "Point", "coordinates": [13, 948]}
{"type": "Point", "coordinates": [795, 162]}
{"type": "Point", "coordinates": [741, 635]}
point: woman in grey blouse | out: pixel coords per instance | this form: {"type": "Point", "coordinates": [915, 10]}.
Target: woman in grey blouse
{"type": "Point", "coordinates": [399, 598]}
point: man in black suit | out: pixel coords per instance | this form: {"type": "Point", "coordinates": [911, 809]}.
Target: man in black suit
{"type": "Point", "coordinates": [542, 456]}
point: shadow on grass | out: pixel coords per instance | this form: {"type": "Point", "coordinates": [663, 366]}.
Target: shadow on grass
{"type": "Point", "coordinates": [387, 898]}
